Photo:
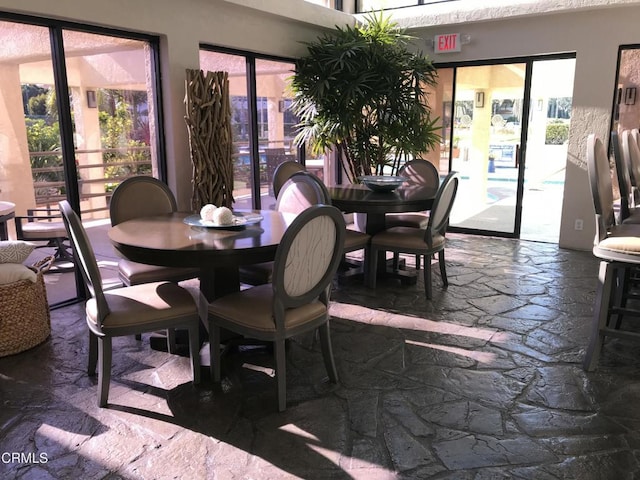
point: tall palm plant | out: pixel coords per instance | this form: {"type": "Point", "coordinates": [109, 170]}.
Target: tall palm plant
{"type": "Point", "coordinates": [361, 91]}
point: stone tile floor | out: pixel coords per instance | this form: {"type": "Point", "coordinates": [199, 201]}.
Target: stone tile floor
{"type": "Point", "coordinates": [483, 382]}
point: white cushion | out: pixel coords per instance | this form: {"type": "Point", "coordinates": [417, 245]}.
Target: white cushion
{"type": "Point", "coordinates": [15, 251]}
{"type": "Point", "coordinates": [13, 272]}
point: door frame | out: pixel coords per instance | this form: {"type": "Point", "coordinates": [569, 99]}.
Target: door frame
{"type": "Point", "coordinates": [526, 108]}
{"type": "Point", "coordinates": [56, 29]}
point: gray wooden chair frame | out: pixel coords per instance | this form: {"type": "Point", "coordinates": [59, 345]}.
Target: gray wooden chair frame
{"type": "Point", "coordinates": [239, 313]}
{"type": "Point", "coordinates": [143, 196]}
{"type": "Point", "coordinates": [631, 151]}
{"type": "Point", "coordinates": [309, 190]}
{"type": "Point", "coordinates": [393, 239]}
{"type": "Point", "coordinates": [283, 172]}
{"type": "Point", "coordinates": [622, 172]}
{"type": "Point", "coordinates": [107, 310]}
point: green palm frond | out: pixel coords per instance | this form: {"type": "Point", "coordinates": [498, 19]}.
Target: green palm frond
{"type": "Point", "coordinates": [362, 91]}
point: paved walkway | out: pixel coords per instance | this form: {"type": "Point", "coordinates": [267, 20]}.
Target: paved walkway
{"type": "Point", "coordinates": [483, 382]}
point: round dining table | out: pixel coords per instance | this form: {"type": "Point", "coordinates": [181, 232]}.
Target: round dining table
{"type": "Point", "coordinates": [218, 252]}
{"type": "Point", "coordinates": [358, 198]}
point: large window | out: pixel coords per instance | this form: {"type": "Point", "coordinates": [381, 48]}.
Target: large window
{"type": "Point", "coordinates": [79, 114]}
{"type": "Point", "coordinates": [263, 126]}
{"type": "Point", "coordinates": [368, 5]}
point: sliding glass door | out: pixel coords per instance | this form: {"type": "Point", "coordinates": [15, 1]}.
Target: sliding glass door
{"type": "Point", "coordinates": [78, 114]}
{"type": "Point", "coordinates": [487, 122]}
{"type": "Point", "coordinates": [505, 129]}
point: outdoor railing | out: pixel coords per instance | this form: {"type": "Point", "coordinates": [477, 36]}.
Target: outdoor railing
{"type": "Point", "coordinates": [50, 192]}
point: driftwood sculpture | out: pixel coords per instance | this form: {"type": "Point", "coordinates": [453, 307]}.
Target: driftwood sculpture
{"type": "Point", "coordinates": [208, 121]}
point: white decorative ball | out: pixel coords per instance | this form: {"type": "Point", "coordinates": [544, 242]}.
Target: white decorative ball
{"type": "Point", "coordinates": [206, 212]}
{"type": "Point", "coordinates": [223, 216]}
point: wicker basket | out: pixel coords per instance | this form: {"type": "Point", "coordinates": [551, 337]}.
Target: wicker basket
{"type": "Point", "coordinates": [25, 319]}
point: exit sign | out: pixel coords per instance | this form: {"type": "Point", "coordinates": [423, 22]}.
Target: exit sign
{"type": "Point", "coordinates": [449, 42]}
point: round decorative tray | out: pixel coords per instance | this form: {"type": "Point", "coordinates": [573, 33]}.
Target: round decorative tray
{"type": "Point", "coordinates": [240, 220]}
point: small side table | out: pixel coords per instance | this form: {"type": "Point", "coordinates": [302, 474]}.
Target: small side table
{"type": "Point", "coordinates": [7, 212]}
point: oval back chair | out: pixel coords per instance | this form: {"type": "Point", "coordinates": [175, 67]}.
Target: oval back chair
{"type": "Point", "coordinates": [296, 301]}
{"type": "Point", "coordinates": [127, 310]}
{"type": "Point", "coordinates": [419, 241]}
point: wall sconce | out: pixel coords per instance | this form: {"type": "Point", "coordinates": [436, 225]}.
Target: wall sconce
{"type": "Point", "coordinates": [479, 99]}
{"type": "Point", "coordinates": [281, 106]}
{"type": "Point", "coordinates": [630, 96]}
{"type": "Point", "coordinates": [92, 101]}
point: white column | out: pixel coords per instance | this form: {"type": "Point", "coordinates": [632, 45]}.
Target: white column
{"type": "Point", "coordinates": [87, 129]}
{"type": "Point", "coordinates": [16, 182]}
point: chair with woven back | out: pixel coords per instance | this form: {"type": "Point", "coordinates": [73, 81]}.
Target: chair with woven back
{"type": "Point", "coordinates": [295, 302]}
{"type": "Point", "coordinates": [127, 310]}
{"type": "Point", "coordinates": [44, 227]}
{"type": "Point", "coordinates": [274, 156]}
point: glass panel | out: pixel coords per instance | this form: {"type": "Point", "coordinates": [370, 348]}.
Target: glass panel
{"type": "Point", "coordinates": [31, 165]}
{"type": "Point", "coordinates": [112, 102]}
{"type": "Point", "coordinates": [367, 5]}
{"type": "Point", "coordinates": [440, 100]}
{"type": "Point", "coordinates": [547, 140]}
{"type": "Point", "coordinates": [486, 125]}
{"type": "Point", "coordinates": [627, 105]}
{"type": "Point", "coordinates": [275, 132]}
{"type": "Point", "coordinates": [236, 66]}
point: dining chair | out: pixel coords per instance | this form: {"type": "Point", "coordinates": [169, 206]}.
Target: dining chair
{"type": "Point", "coordinates": [631, 152]}
{"type": "Point", "coordinates": [260, 273]}
{"type": "Point", "coordinates": [127, 310]}
{"type": "Point", "coordinates": [418, 172]}
{"type": "Point", "coordinates": [292, 202]}
{"type": "Point", "coordinates": [273, 157]}
{"type": "Point", "coordinates": [419, 241]}
{"type": "Point", "coordinates": [45, 226]}
{"type": "Point", "coordinates": [628, 211]}
{"type": "Point", "coordinates": [295, 302]}
{"type": "Point", "coordinates": [617, 247]}
{"type": "Point", "coordinates": [143, 196]}
{"type": "Point", "coordinates": [302, 190]}
{"type": "Point", "coordinates": [283, 172]}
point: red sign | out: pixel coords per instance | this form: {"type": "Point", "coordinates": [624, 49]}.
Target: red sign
{"type": "Point", "coordinates": [449, 42]}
